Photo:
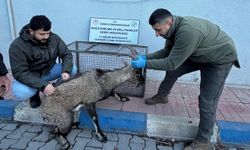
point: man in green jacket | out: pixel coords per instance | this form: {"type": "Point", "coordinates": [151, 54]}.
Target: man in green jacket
{"type": "Point", "coordinates": [33, 58]}
{"type": "Point", "coordinates": [191, 44]}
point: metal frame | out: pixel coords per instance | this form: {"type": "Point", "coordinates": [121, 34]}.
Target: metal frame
{"type": "Point", "coordinates": [94, 44]}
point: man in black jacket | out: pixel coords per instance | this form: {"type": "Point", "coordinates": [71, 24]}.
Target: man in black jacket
{"type": "Point", "coordinates": [33, 60]}
{"type": "Point", "coordinates": [4, 81]}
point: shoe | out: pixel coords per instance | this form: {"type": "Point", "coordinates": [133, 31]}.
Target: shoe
{"type": "Point", "coordinates": [196, 145]}
{"type": "Point", "coordinates": [35, 100]}
{"type": "Point", "coordinates": [156, 99]}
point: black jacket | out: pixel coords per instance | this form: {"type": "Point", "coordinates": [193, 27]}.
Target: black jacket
{"type": "Point", "coordinates": [30, 59]}
{"type": "Point", "coordinates": [3, 69]}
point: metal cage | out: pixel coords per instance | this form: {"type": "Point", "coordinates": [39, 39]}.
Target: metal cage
{"type": "Point", "coordinates": [91, 55]}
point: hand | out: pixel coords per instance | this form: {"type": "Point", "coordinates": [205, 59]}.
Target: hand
{"type": "Point", "coordinates": [143, 56]}
{"type": "Point", "coordinates": [4, 85]}
{"type": "Point", "coordinates": [49, 89]}
{"type": "Point", "coordinates": [139, 62]}
{"type": "Point", "coordinates": [65, 76]}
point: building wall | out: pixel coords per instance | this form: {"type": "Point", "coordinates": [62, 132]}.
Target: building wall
{"type": "Point", "coordinates": [71, 21]}
{"type": "Point", "coordinates": [5, 35]}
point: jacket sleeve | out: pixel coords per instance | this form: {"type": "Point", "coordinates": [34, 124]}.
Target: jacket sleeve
{"type": "Point", "coordinates": [66, 56]}
{"type": "Point", "coordinates": [186, 42]}
{"type": "Point", "coordinates": [20, 70]}
{"type": "Point", "coordinates": [3, 69]}
{"type": "Point", "coordinates": [161, 53]}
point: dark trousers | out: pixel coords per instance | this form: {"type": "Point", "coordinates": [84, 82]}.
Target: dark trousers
{"type": "Point", "coordinates": [212, 82]}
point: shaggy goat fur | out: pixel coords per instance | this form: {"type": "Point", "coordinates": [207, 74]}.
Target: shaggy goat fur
{"type": "Point", "coordinates": [85, 89]}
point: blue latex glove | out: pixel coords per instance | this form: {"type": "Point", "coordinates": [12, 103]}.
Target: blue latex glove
{"type": "Point", "coordinates": [143, 56]}
{"type": "Point", "coordinates": [139, 62]}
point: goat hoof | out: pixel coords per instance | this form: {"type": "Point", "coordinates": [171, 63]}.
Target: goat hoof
{"type": "Point", "coordinates": [64, 143]}
{"type": "Point", "coordinates": [124, 99]}
{"type": "Point", "coordinates": [65, 146]}
{"type": "Point", "coordinates": [102, 139]}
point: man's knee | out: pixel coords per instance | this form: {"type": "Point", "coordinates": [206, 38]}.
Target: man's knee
{"type": "Point", "coordinates": [22, 92]}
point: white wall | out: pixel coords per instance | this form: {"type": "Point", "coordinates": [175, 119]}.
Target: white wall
{"type": "Point", "coordinates": [5, 35]}
{"type": "Point", "coordinates": [71, 21]}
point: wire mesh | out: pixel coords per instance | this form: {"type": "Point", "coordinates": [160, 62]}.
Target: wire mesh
{"type": "Point", "coordinates": [89, 55]}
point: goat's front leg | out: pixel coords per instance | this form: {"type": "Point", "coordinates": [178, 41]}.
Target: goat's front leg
{"type": "Point", "coordinates": [92, 112]}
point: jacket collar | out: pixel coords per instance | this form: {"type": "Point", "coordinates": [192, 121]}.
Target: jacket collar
{"type": "Point", "coordinates": [25, 35]}
{"type": "Point", "coordinates": [175, 26]}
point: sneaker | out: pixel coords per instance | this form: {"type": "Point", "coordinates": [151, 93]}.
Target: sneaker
{"type": "Point", "coordinates": [35, 100]}
{"type": "Point", "coordinates": [195, 145]}
{"type": "Point", "coordinates": [156, 99]}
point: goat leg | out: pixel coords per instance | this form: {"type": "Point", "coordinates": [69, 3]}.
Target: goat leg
{"type": "Point", "coordinates": [64, 142]}
{"type": "Point", "coordinates": [53, 133]}
{"type": "Point", "coordinates": [75, 125]}
{"type": "Point", "coordinates": [92, 112]}
{"type": "Point", "coordinates": [61, 139]}
{"type": "Point", "coordinates": [120, 97]}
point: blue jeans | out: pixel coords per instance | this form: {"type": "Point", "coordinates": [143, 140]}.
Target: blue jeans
{"type": "Point", "coordinates": [23, 92]}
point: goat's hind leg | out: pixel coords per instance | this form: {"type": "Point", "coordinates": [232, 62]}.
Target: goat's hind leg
{"type": "Point", "coordinates": [92, 112]}
{"type": "Point", "coordinates": [120, 97]}
{"type": "Point", "coordinates": [76, 109]}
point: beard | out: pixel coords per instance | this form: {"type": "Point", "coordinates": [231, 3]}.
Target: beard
{"type": "Point", "coordinates": [40, 41]}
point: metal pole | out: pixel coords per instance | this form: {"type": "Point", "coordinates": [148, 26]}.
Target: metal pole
{"type": "Point", "coordinates": [11, 19]}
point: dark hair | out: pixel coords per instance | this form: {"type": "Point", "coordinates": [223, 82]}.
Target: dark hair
{"type": "Point", "coordinates": [159, 15]}
{"type": "Point", "coordinates": [40, 22]}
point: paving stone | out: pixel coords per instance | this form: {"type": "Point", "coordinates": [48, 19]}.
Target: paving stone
{"type": "Point", "coordinates": [17, 134]}
{"type": "Point", "coordinates": [23, 142]}
{"type": "Point", "coordinates": [35, 129]}
{"type": "Point", "coordinates": [86, 133]}
{"type": "Point", "coordinates": [110, 145]}
{"type": "Point", "coordinates": [6, 143]}
{"type": "Point", "coordinates": [164, 148]}
{"type": "Point", "coordinates": [136, 146]}
{"type": "Point", "coordinates": [112, 137]}
{"type": "Point", "coordinates": [150, 144]}
{"type": "Point", "coordinates": [72, 135]}
{"type": "Point", "coordinates": [124, 137]}
{"type": "Point", "coordinates": [123, 142]}
{"type": "Point", "coordinates": [4, 133]}
{"type": "Point", "coordinates": [10, 126]}
{"type": "Point", "coordinates": [2, 124]}
{"type": "Point", "coordinates": [34, 145]}
{"type": "Point", "coordinates": [123, 145]}
{"type": "Point", "coordinates": [179, 146]}
{"type": "Point", "coordinates": [92, 148]}
{"type": "Point", "coordinates": [43, 137]}
{"type": "Point", "coordinates": [51, 145]}
{"type": "Point", "coordinates": [95, 143]}
{"type": "Point", "coordinates": [137, 140]}
{"type": "Point", "coordinates": [231, 148]}
{"type": "Point", "coordinates": [80, 143]}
